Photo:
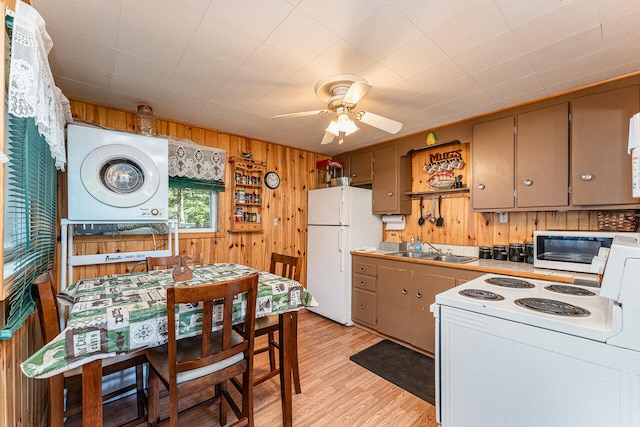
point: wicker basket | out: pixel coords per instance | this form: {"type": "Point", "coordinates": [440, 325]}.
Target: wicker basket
{"type": "Point", "coordinates": [617, 220]}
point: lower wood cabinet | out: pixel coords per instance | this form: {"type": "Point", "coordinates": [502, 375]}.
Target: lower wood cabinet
{"type": "Point", "coordinates": [395, 297]}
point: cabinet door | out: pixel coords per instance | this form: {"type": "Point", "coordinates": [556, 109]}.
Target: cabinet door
{"type": "Point", "coordinates": [492, 154]}
{"type": "Point", "coordinates": [425, 289]}
{"type": "Point", "coordinates": [394, 302]}
{"type": "Point", "coordinates": [363, 307]}
{"type": "Point", "coordinates": [542, 157]}
{"type": "Point", "coordinates": [600, 165]}
{"type": "Point", "coordinates": [360, 169]}
{"type": "Point", "coordinates": [391, 182]}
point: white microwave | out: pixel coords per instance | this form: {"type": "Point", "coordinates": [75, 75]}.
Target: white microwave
{"type": "Point", "coordinates": [571, 250]}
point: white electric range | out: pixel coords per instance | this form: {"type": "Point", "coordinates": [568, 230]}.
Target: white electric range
{"type": "Point", "coordinates": [519, 352]}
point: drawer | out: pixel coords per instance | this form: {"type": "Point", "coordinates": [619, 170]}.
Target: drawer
{"type": "Point", "coordinates": [364, 268]}
{"type": "Point", "coordinates": [360, 281]}
{"type": "Point", "coordinates": [363, 307]}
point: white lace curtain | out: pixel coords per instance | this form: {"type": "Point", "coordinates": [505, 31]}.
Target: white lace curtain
{"type": "Point", "coordinates": [190, 160]}
{"type": "Point", "coordinates": [32, 91]}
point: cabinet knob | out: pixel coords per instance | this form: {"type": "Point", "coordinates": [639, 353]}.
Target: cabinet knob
{"type": "Point", "coordinates": [390, 193]}
{"type": "Point", "coordinates": [362, 283]}
{"type": "Point", "coordinates": [480, 186]}
{"type": "Point", "coordinates": [353, 175]}
{"type": "Point", "coordinates": [404, 291]}
{"type": "Point", "coordinates": [363, 269]}
{"type": "Point", "coordinates": [362, 306]}
{"type": "Point", "coordinates": [527, 182]}
{"type": "Point", "coordinates": [586, 177]}
{"type": "Point", "coordinates": [419, 295]}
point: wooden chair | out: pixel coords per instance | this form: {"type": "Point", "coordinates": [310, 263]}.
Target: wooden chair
{"type": "Point", "coordinates": [47, 307]}
{"type": "Point", "coordinates": [289, 267]}
{"type": "Point", "coordinates": [156, 263]}
{"type": "Point", "coordinates": [212, 357]}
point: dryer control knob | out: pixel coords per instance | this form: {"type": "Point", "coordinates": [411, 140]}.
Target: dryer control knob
{"type": "Point", "coordinates": [155, 212]}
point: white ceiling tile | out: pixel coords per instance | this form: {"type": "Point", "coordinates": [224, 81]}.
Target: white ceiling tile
{"type": "Point", "coordinates": [144, 44]}
{"type": "Point", "coordinates": [440, 73]}
{"type": "Point", "coordinates": [81, 50]}
{"type": "Point", "coordinates": [524, 84]}
{"type": "Point", "coordinates": [379, 36]}
{"type": "Point", "coordinates": [341, 16]}
{"type": "Point", "coordinates": [615, 9]}
{"type": "Point", "coordinates": [517, 12]}
{"type": "Point", "coordinates": [272, 64]}
{"type": "Point", "coordinates": [226, 42]}
{"type": "Point", "coordinates": [181, 100]}
{"type": "Point", "coordinates": [504, 71]}
{"type": "Point", "coordinates": [488, 53]}
{"type": "Point", "coordinates": [301, 37]}
{"type": "Point", "coordinates": [170, 20]}
{"type": "Point", "coordinates": [81, 72]}
{"type": "Point", "coordinates": [559, 75]}
{"type": "Point", "coordinates": [571, 18]}
{"type": "Point", "coordinates": [199, 74]}
{"type": "Point", "coordinates": [580, 45]}
{"type": "Point", "coordinates": [257, 17]}
{"type": "Point", "coordinates": [620, 55]}
{"type": "Point", "coordinates": [136, 88]}
{"type": "Point", "coordinates": [415, 55]}
{"type": "Point", "coordinates": [79, 90]}
{"type": "Point", "coordinates": [254, 84]}
{"type": "Point", "coordinates": [134, 67]}
{"type": "Point", "coordinates": [621, 30]}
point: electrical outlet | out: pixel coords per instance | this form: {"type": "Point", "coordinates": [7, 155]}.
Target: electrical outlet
{"type": "Point", "coordinates": [504, 217]}
{"type": "Point", "coordinates": [275, 222]}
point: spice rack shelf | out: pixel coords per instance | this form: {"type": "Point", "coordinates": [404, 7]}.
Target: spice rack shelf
{"type": "Point", "coordinates": [247, 189]}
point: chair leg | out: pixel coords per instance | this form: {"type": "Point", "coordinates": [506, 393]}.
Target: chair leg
{"type": "Point", "coordinates": [153, 416]}
{"type": "Point", "coordinates": [56, 401]}
{"type": "Point", "coordinates": [220, 389]}
{"type": "Point", "coordinates": [294, 358]}
{"type": "Point", "coordinates": [247, 395]}
{"type": "Point", "coordinates": [272, 352]}
{"type": "Point", "coordinates": [140, 390]}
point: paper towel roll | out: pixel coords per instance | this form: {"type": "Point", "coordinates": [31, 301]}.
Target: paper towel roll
{"type": "Point", "coordinates": [634, 150]}
{"type": "Point", "coordinates": [393, 222]}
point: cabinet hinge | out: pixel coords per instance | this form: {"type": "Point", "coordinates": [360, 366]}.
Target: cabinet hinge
{"type": "Point", "coordinates": [569, 189]}
{"type": "Point", "coordinates": [515, 194]}
{"type": "Point", "coordinates": [570, 117]}
{"type": "Point", "coordinates": [515, 130]}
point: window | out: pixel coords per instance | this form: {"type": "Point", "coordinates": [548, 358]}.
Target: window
{"type": "Point", "coordinates": [194, 204]}
{"type": "Point", "coordinates": [30, 196]}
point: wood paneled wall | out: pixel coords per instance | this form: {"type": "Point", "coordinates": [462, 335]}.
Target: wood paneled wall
{"type": "Point", "coordinates": [287, 204]}
{"type": "Point", "coordinates": [22, 400]}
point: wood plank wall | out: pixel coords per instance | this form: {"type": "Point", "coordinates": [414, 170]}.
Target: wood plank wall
{"type": "Point", "coordinates": [22, 400]}
{"type": "Point", "coordinates": [287, 203]}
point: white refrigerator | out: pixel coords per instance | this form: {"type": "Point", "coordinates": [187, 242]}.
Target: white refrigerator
{"type": "Point", "coordinates": [339, 220]}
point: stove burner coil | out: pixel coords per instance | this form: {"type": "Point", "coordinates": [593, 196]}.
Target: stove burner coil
{"type": "Point", "coordinates": [551, 306]}
{"type": "Point", "coordinates": [509, 282]}
{"type": "Point", "coordinates": [481, 294]}
{"type": "Point", "coordinates": [570, 290]}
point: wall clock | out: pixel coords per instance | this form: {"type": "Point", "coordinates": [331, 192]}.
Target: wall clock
{"type": "Point", "coordinates": [272, 179]}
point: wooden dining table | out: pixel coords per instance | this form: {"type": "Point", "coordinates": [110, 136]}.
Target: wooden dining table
{"type": "Point", "coordinates": [120, 314]}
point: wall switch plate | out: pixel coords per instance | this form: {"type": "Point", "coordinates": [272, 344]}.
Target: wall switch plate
{"type": "Point", "coordinates": [504, 217]}
{"type": "Point", "coordinates": [275, 222]}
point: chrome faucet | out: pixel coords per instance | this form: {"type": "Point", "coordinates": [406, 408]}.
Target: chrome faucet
{"type": "Point", "coordinates": [432, 247]}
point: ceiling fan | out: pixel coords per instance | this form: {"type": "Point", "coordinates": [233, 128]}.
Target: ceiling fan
{"type": "Point", "coordinates": [342, 92]}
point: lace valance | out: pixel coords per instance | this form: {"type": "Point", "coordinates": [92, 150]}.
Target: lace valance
{"type": "Point", "coordinates": [190, 160]}
{"type": "Point", "coordinates": [32, 91]}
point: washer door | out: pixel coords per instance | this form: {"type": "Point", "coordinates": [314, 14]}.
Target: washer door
{"type": "Point", "coordinates": [119, 176]}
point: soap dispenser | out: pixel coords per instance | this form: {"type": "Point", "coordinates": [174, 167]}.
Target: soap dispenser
{"type": "Point", "coordinates": [418, 247]}
{"type": "Point", "coordinates": [412, 245]}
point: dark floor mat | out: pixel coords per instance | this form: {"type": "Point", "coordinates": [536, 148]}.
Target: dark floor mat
{"type": "Point", "coordinates": [402, 366]}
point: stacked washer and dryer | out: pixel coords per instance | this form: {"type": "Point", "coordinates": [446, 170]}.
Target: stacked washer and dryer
{"type": "Point", "coordinates": [114, 177]}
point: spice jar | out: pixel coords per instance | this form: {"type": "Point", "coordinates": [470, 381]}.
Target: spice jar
{"type": "Point", "coordinates": [145, 121]}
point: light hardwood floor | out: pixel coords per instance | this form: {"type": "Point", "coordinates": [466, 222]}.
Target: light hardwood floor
{"type": "Point", "coordinates": [335, 391]}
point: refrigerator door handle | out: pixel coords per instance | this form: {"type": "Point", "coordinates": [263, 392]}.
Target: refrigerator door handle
{"type": "Point", "coordinates": [340, 249]}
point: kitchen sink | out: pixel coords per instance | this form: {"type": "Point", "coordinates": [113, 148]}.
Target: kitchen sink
{"type": "Point", "coordinates": [410, 254]}
{"type": "Point", "coordinates": [431, 256]}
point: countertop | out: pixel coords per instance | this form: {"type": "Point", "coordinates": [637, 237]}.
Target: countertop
{"type": "Point", "coordinates": [507, 268]}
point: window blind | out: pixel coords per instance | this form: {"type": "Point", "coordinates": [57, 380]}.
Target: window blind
{"type": "Point", "coordinates": [30, 194]}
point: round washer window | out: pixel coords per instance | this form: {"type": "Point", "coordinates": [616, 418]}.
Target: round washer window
{"type": "Point", "coordinates": [122, 176]}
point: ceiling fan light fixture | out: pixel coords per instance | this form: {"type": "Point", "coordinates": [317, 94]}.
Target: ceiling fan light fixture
{"type": "Point", "coordinates": [342, 124]}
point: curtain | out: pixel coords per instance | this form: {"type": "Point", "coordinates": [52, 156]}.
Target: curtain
{"type": "Point", "coordinates": [196, 166]}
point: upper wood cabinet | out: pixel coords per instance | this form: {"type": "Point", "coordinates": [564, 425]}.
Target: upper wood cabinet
{"type": "Point", "coordinates": [360, 169]}
{"type": "Point", "coordinates": [521, 162]}
{"type": "Point", "coordinates": [542, 157]}
{"type": "Point", "coordinates": [492, 157]}
{"type": "Point", "coordinates": [600, 165]}
{"type": "Point", "coordinates": [391, 181]}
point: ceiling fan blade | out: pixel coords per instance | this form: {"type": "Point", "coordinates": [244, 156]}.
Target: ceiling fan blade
{"type": "Point", "coordinates": [300, 114]}
{"type": "Point", "coordinates": [355, 93]}
{"type": "Point", "coordinates": [379, 122]}
{"type": "Point", "coordinates": [328, 138]}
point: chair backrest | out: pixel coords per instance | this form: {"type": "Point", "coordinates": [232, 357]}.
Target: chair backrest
{"type": "Point", "coordinates": [285, 266]}
{"type": "Point", "coordinates": [154, 263]}
{"type": "Point", "coordinates": [47, 306]}
{"type": "Point", "coordinates": [219, 294]}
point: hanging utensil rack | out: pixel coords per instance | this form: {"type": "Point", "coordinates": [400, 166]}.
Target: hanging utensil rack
{"type": "Point", "coordinates": [449, 193]}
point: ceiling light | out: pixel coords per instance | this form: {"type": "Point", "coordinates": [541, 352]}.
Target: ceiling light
{"type": "Point", "coordinates": [342, 126]}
